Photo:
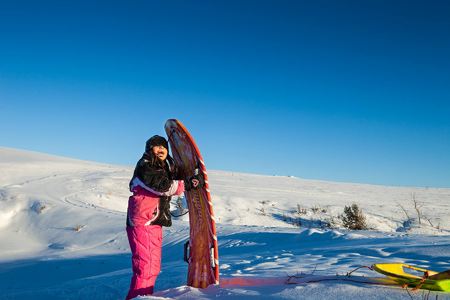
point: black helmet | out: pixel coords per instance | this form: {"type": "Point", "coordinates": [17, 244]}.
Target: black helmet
{"type": "Point", "coordinates": [155, 140]}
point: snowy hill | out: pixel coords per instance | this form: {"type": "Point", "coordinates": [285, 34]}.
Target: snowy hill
{"type": "Point", "coordinates": [62, 233]}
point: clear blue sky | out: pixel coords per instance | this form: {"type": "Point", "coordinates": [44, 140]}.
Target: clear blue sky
{"type": "Point", "coordinates": [355, 91]}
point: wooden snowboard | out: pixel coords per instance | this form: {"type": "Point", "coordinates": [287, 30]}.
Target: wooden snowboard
{"type": "Point", "coordinates": [201, 252]}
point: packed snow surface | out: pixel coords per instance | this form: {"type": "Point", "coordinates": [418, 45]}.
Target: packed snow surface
{"type": "Point", "coordinates": [62, 234]}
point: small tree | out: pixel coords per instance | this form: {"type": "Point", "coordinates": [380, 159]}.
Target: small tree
{"type": "Point", "coordinates": [353, 218]}
{"type": "Point", "coordinates": [300, 210]}
{"type": "Point", "coordinates": [417, 207]}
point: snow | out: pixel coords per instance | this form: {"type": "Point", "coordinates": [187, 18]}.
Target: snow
{"type": "Point", "coordinates": [62, 234]}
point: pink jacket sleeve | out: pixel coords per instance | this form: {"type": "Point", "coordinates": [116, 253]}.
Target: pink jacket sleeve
{"type": "Point", "coordinates": [180, 188]}
{"type": "Point", "coordinates": [177, 188]}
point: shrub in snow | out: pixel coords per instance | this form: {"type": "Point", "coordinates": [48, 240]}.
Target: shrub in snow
{"type": "Point", "coordinates": [38, 207]}
{"type": "Point", "coordinates": [78, 228]}
{"type": "Point", "coordinates": [262, 211]}
{"type": "Point", "coordinates": [180, 207]}
{"type": "Point", "coordinates": [334, 222]}
{"type": "Point", "coordinates": [179, 204]}
{"type": "Point", "coordinates": [315, 209]}
{"type": "Point", "coordinates": [301, 210]}
{"type": "Point", "coordinates": [353, 218]}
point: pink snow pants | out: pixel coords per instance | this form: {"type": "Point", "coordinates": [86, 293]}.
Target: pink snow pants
{"type": "Point", "coordinates": [145, 243]}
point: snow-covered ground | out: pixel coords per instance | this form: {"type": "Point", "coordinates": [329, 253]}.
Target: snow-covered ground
{"type": "Point", "coordinates": [62, 234]}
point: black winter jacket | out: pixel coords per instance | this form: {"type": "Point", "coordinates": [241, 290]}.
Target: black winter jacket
{"type": "Point", "coordinates": [159, 179]}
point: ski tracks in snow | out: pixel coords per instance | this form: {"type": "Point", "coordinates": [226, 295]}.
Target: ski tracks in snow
{"type": "Point", "coordinates": [81, 190]}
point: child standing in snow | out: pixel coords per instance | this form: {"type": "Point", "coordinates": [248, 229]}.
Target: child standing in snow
{"type": "Point", "coordinates": [152, 185]}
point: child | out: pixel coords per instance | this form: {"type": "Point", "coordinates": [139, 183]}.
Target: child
{"type": "Point", "coordinates": [152, 185]}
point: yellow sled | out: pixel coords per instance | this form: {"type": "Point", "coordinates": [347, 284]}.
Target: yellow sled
{"type": "Point", "coordinates": [414, 277]}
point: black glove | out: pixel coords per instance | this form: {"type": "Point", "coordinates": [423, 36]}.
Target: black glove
{"type": "Point", "coordinates": [189, 183]}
